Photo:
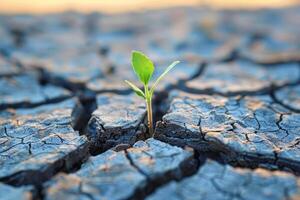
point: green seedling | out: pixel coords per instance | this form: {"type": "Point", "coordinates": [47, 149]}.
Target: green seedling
{"type": "Point", "coordinates": [144, 68]}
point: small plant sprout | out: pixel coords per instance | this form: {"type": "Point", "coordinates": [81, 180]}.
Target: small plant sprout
{"type": "Point", "coordinates": [144, 68]}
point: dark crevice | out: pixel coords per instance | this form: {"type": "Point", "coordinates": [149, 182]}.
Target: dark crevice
{"type": "Point", "coordinates": [33, 105]}
{"type": "Point", "coordinates": [276, 100]}
{"type": "Point", "coordinates": [278, 123]}
{"type": "Point", "coordinates": [47, 101]}
{"type": "Point", "coordinates": [264, 91]}
{"type": "Point", "coordinates": [110, 66]}
{"type": "Point", "coordinates": [242, 54]}
{"type": "Point", "coordinates": [210, 91]}
{"type": "Point", "coordinates": [202, 66]}
{"type": "Point", "coordinates": [89, 105]}
{"type": "Point", "coordinates": [234, 55]}
{"type": "Point", "coordinates": [86, 98]}
{"type": "Point", "coordinates": [268, 63]}
{"type": "Point", "coordinates": [236, 159]}
{"type": "Point", "coordinates": [248, 162]}
{"type": "Point", "coordinates": [115, 91]}
{"type": "Point", "coordinates": [221, 158]}
{"type": "Point", "coordinates": [48, 77]}
{"type": "Point", "coordinates": [104, 51]}
{"type": "Point", "coordinates": [36, 179]}
{"type": "Point", "coordinates": [159, 107]}
{"type": "Point", "coordinates": [19, 36]}
{"type": "Point", "coordinates": [181, 83]}
{"type": "Point", "coordinates": [135, 166]}
{"type": "Point", "coordinates": [98, 146]}
{"type": "Point", "coordinates": [38, 193]}
{"type": "Point", "coordinates": [69, 163]}
{"type": "Point", "coordinates": [221, 153]}
{"type": "Point", "coordinates": [254, 163]}
{"type": "Point", "coordinates": [29, 148]}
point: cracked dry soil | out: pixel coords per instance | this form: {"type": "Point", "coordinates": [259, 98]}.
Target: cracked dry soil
{"type": "Point", "coordinates": [228, 117]}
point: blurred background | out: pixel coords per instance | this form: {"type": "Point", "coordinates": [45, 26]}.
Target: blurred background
{"type": "Point", "coordinates": [116, 6]}
{"type": "Point", "coordinates": [87, 44]}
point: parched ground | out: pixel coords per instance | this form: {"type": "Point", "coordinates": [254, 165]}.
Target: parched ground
{"type": "Point", "coordinates": [227, 118]}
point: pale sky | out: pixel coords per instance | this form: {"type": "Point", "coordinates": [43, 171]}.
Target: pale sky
{"type": "Point", "coordinates": [115, 6]}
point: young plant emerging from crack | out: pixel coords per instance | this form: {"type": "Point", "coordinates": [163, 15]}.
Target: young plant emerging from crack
{"type": "Point", "coordinates": [144, 68]}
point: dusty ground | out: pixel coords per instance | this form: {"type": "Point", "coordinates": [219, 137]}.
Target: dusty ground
{"type": "Point", "coordinates": [228, 117]}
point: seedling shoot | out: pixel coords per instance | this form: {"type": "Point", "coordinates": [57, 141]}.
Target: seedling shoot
{"type": "Point", "coordinates": [144, 68]}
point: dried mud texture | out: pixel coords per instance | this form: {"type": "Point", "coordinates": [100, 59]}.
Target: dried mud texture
{"type": "Point", "coordinates": [125, 174]}
{"type": "Point", "coordinates": [8, 69]}
{"type": "Point", "coordinates": [241, 77]}
{"type": "Point", "coordinates": [68, 67]}
{"type": "Point", "coordinates": [118, 120]}
{"type": "Point", "coordinates": [25, 91]}
{"type": "Point", "coordinates": [240, 71]}
{"type": "Point", "coordinates": [289, 97]}
{"type": "Point", "coordinates": [36, 143]}
{"type": "Point", "coordinates": [214, 181]}
{"type": "Point", "coordinates": [251, 131]}
{"type": "Point", "coordinates": [277, 47]}
{"type": "Point", "coordinates": [10, 193]}
{"type": "Point", "coordinates": [58, 47]}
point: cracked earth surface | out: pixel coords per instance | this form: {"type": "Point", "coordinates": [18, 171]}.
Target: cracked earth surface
{"type": "Point", "coordinates": [227, 118]}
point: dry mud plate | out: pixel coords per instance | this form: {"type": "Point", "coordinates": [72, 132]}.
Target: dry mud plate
{"type": "Point", "coordinates": [227, 118]}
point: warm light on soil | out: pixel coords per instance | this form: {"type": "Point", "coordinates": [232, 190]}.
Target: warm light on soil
{"type": "Point", "coordinates": [115, 6]}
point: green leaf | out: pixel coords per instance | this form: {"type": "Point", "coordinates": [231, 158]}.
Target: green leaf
{"type": "Point", "coordinates": [162, 75]}
{"type": "Point", "coordinates": [137, 90]}
{"type": "Point", "coordinates": [142, 66]}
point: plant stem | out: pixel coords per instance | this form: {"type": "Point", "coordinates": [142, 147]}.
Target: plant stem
{"type": "Point", "coordinates": [149, 109]}
{"type": "Point", "coordinates": [149, 115]}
